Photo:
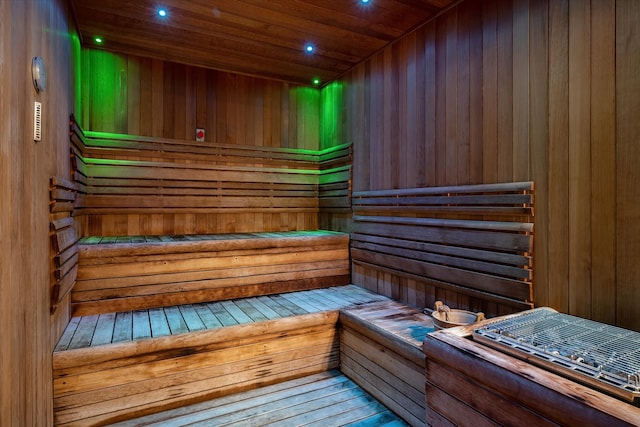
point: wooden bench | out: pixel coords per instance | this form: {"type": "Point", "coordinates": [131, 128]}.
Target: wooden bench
{"type": "Point", "coordinates": [128, 273]}
{"type": "Point", "coordinates": [469, 246]}
{"type": "Point", "coordinates": [469, 383]}
{"type": "Point", "coordinates": [116, 366]}
{"type": "Point", "coordinates": [381, 350]}
{"type": "Point", "coordinates": [138, 185]}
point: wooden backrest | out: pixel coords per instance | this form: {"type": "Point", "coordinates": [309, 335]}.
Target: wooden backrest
{"type": "Point", "coordinates": [126, 180]}
{"type": "Point", "coordinates": [64, 240]}
{"type": "Point", "coordinates": [470, 246]}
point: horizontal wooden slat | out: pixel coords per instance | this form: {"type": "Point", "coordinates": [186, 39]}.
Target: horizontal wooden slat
{"type": "Point", "coordinates": [58, 182]}
{"type": "Point", "coordinates": [448, 223]}
{"type": "Point", "coordinates": [149, 170]}
{"type": "Point", "coordinates": [63, 239]}
{"type": "Point", "coordinates": [463, 200]}
{"type": "Point", "coordinates": [458, 189]}
{"type": "Point", "coordinates": [60, 223]}
{"type": "Point", "coordinates": [199, 279]}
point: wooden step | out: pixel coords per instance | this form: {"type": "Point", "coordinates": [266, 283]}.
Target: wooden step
{"type": "Point", "coordinates": [139, 272]}
{"type": "Point", "coordinates": [105, 371]}
{"type": "Point", "coordinates": [381, 350]}
{"type": "Point", "coordinates": [324, 399]}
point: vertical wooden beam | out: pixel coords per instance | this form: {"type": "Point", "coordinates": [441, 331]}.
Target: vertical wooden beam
{"type": "Point", "coordinates": [463, 108]}
{"type": "Point", "coordinates": [627, 160]}
{"type": "Point", "coordinates": [539, 143]}
{"type": "Point", "coordinates": [558, 155]}
{"type": "Point", "coordinates": [451, 98]}
{"type": "Point", "coordinates": [489, 92]}
{"type": "Point", "coordinates": [603, 160]}
{"type": "Point", "coordinates": [505, 90]}
{"type": "Point", "coordinates": [475, 93]}
{"type": "Point", "coordinates": [430, 95]}
{"type": "Point", "coordinates": [579, 158]}
{"type": "Point", "coordinates": [420, 107]}
{"type": "Point", "coordinates": [521, 96]}
{"type": "Point", "coordinates": [440, 153]}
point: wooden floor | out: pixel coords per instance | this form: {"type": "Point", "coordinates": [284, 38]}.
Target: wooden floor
{"type": "Point", "coordinates": [96, 330]}
{"type": "Point", "coordinates": [327, 399]}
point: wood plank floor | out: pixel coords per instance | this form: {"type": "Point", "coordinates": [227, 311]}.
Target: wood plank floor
{"type": "Point", "coordinates": [325, 399]}
{"type": "Point", "coordinates": [96, 330]}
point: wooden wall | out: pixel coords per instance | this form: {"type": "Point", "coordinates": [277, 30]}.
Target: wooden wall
{"type": "Point", "coordinates": [512, 90]}
{"type": "Point", "coordinates": [140, 96]}
{"type": "Point", "coordinates": [28, 332]}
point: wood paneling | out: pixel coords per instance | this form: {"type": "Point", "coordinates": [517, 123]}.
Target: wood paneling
{"type": "Point", "coordinates": [138, 96]}
{"type": "Point", "coordinates": [261, 38]}
{"type": "Point", "coordinates": [627, 174]}
{"type": "Point", "coordinates": [28, 334]}
{"type": "Point", "coordinates": [519, 90]}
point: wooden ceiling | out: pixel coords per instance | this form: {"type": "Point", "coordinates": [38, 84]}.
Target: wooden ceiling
{"type": "Point", "coordinates": [265, 38]}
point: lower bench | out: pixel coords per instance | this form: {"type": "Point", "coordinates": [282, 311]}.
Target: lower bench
{"type": "Point", "coordinates": [104, 374]}
{"type": "Point", "coordinates": [130, 273]}
{"type": "Point", "coordinates": [381, 350]}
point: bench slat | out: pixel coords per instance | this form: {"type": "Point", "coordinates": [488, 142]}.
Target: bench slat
{"type": "Point", "coordinates": [191, 173]}
{"type": "Point", "coordinates": [153, 201]}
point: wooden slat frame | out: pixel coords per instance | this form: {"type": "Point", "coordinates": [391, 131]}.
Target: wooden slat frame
{"type": "Point", "coordinates": [134, 175]}
{"type": "Point", "coordinates": [471, 240]}
{"type": "Point", "coordinates": [64, 239]}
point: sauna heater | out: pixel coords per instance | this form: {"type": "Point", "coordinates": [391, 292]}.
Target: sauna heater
{"type": "Point", "coordinates": [601, 356]}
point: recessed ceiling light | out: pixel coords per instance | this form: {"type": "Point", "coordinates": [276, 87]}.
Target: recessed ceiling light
{"type": "Point", "coordinates": [364, 1]}
{"type": "Point", "coordinates": [309, 48]}
{"type": "Point", "coordinates": [162, 12]}
{"type": "Point", "coordinates": [98, 40]}
{"type": "Point", "coordinates": [316, 81]}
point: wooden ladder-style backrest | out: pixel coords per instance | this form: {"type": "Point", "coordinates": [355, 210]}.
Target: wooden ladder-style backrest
{"type": "Point", "coordinates": [470, 246]}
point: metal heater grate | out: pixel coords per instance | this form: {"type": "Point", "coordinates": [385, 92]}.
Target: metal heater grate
{"type": "Point", "coordinates": [602, 356]}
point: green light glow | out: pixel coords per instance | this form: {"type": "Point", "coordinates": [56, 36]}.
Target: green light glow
{"type": "Point", "coordinates": [76, 70]}
{"type": "Point", "coordinates": [331, 133]}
